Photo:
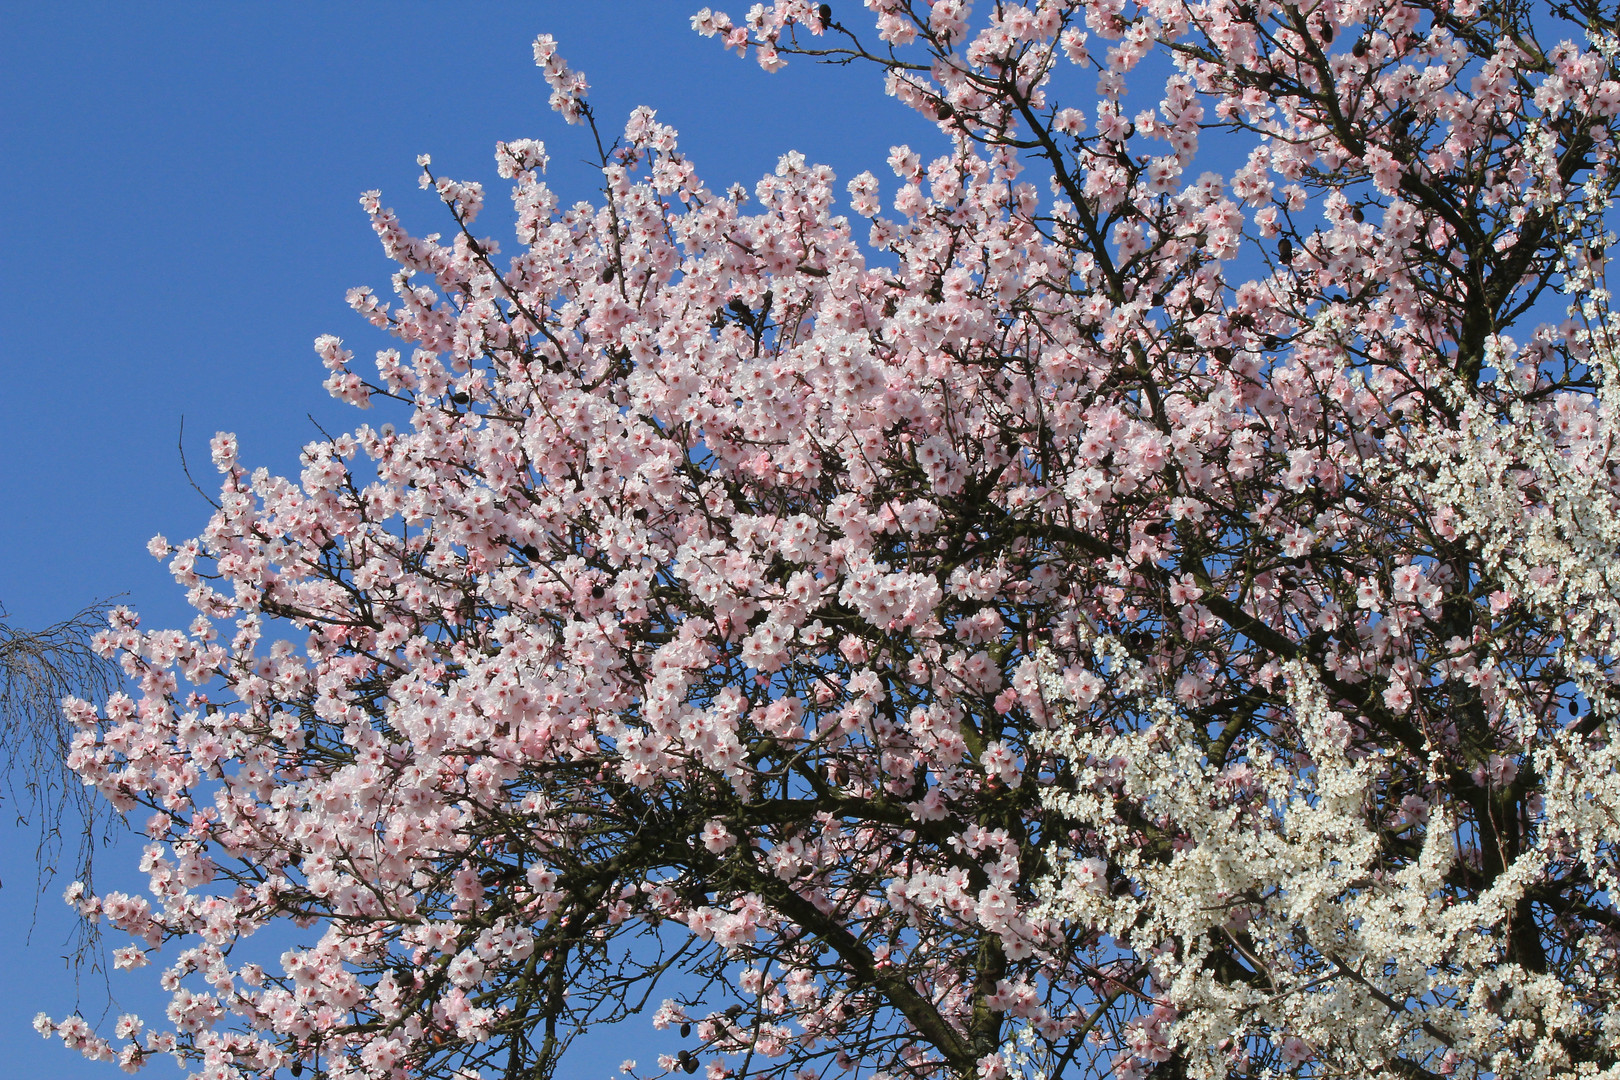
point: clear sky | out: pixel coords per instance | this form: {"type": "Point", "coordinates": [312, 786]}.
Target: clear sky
{"type": "Point", "coordinates": [178, 210]}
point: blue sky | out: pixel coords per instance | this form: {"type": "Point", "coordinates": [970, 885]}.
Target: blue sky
{"type": "Point", "coordinates": [179, 221]}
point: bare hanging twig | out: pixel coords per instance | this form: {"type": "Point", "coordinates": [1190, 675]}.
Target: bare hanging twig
{"type": "Point", "coordinates": [38, 668]}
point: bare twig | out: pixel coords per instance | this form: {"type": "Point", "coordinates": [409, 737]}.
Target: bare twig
{"type": "Point", "coordinates": [38, 668]}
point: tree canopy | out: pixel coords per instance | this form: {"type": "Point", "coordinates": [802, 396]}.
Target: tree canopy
{"type": "Point", "coordinates": [1071, 608]}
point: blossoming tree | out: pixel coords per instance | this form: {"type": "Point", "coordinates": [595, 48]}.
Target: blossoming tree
{"type": "Point", "coordinates": [1145, 603]}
